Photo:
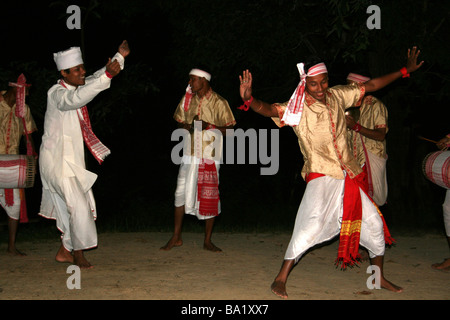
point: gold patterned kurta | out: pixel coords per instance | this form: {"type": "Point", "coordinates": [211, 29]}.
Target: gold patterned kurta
{"type": "Point", "coordinates": [373, 115]}
{"type": "Point", "coordinates": [211, 108]}
{"type": "Point", "coordinates": [322, 132]}
{"type": "Point", "coordinates": [11, 127]}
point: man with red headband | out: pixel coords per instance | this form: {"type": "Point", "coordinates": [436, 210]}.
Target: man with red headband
{"type": "Point", "coordinates": [15, 121]}
{"type": "Point", "coordinates": [197, 193]}
{"type": "Point", "coordinates": [66, 184]}
{"type": "Point", "coordinates": [367, 138]}
{"type": "Point", "coordinates": [334, 201]}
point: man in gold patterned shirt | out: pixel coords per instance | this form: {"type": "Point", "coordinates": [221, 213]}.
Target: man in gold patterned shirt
{"type": "Point", "coordinates": [316, 113]}
{"type": "Point", "coordinates": [367, 137]}
{"type": "Point", "coordinates": [203, 113]}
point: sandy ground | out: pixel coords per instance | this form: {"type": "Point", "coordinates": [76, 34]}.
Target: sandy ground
{"type": "Point", "coordinates": [131, 266]}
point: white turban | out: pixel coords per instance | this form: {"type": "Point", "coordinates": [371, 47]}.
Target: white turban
{"type": "Point", "coordinates": [201, 74]}
{"type": "Point", "coordinates": [68, 58]}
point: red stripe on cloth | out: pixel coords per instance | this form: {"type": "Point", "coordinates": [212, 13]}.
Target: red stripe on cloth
{"type": "Point", "coordinates": [208, 188]}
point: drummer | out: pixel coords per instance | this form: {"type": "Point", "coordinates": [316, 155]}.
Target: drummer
{"type": "Point", "coordinates": [443, 144]}
{"type": "Point", "coordinates": [12, 108]}
{"type": "Point", "coordinates": [368, 140]}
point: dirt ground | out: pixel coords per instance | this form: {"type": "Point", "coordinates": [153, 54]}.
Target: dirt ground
{"type": "Point", "coordinates": [130, 266]}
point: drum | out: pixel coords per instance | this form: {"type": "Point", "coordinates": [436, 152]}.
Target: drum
{"type": "Point", "coordinates": [435, 167]}
{"type": "Point", "coordinates": [17, 171]}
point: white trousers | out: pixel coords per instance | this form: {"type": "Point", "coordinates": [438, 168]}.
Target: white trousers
{"type": "Point", "coordinates": [319, 219]}
{"type": "Point", "coordinates": [74, 213]}
{"type": "Point", "coordinates": [446, 210]}
{"type": "Point", "coordinates": [12, 211]}
{"type": "Point", "coordinates": [186, 191]}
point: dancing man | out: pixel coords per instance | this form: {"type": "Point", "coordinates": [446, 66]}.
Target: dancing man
{"type": "Point", "coordinates": [334, 201]}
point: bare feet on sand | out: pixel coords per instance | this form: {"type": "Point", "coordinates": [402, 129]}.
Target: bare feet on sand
{"type": "Point", "coordinates": [385, 284]}
{"type": "Point", "coordinates": [279, 289]}
{"type": "Point", "coordinates": [76, 258]}
{"type": "Point", "coordinates": [211, 247]}
{"type": "Point", "coordinates": [443, 266]}
{"type": "Point", "coordinates": [173, 242]}
{"type": "Point", "coordinates": [15, 252]}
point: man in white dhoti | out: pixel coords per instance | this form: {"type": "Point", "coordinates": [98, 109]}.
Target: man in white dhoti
{"type": "Point", "coordinates": [15, 121]}
{"type": "Point", "coordinates": [367, 136]}
{"type": "Point", "coordinates": [66, 184]}
{"type": "Point", "coordinates": [197, 191]}
{"type": "Point", "coordinates": [334, 201]}
{"type": "Point", "coordinates": [444, 144]}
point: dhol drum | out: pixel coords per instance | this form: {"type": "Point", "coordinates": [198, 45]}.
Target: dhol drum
{"type": "Point", "coordinates": [17, 171]}
{"type": "Point", "coordinates": [436, 167]}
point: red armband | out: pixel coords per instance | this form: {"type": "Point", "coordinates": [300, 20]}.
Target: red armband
{"type": "Point", "coordinates": [404, 72]}
{"type": "Point", "coordinates": [108, 74]}
{"type": "Point", "coordinates": [357, 127]}
{"type": "Point", "coordinates": [246, 104]}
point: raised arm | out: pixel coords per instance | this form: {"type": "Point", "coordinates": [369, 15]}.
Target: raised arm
{"type": "Point", "coordinates": [411, 66]}
{"type": "Point", "coordinates": [245, 90]}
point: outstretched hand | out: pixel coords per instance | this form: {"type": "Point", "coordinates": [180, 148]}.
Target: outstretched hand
{"type": "Point", "coordinates": [245, 88]}
{"type": "Point", "coordinates": [124, 49]}
{"type": "Point", "coordinates": [411, 63]}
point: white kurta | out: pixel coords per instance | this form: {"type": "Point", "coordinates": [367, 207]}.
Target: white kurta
{"type": "Point", "coordinates": [66, 184]}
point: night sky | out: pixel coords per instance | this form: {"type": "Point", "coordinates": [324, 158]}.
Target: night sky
{"type": "Point", "coordinates": [134, 118]}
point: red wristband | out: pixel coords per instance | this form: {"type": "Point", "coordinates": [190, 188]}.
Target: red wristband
{"type": "Point", "coordinates": [357, 127]}
{"type": "Point", "coordinates": [404, 72]}
{"type": "Point", "coordinates": [108, 74]}
{"type": "Point", "coordinates": [246, 104]}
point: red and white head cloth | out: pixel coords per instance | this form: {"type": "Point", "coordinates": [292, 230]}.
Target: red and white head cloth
{"type": "Point", "coordinates": [357, 78]}
{"type": "Point", "coordinates": [188, 96]}
{"type": "Point", "coordinates": [294, 109]}
{"type": "Point", "coordinates": [21, 86]}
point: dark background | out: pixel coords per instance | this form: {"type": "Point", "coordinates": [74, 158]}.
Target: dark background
{"type": "Point", "coordinates": [134, 190]}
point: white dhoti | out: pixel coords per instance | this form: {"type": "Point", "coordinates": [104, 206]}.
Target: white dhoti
{"type": "Point", "coordinates": [75, 214]}
{"type": "Point", "coordinates": [186, 191]}
{"type": "Point", "coordinates": [378, 178]}
{"type": "Point", "coordinates": [446, 210]}
{"type": "Point", "coordinates": [320, 214]}
{"type": "Point", "coordinates": [12, 211]}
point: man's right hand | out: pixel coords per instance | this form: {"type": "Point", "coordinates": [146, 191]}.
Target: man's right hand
{"type": "Point", "coordinates": [113, 67]}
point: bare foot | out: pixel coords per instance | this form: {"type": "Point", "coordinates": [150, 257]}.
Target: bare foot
{"type": "Point", "coordinates": [15, 252]}
{"type": "Point", "coordinates": [173, 242]}
{"type": "Point", "coordinates": [443, 266]}
{"type": "Point", "coordinates": [80, 260]}
{"type": "Point", "coordinates": [279, 289]}
{"type": "Point", "coordinates": [211, 247]}
{"type": "Point", "coordinates": [385, 284]}
{"type": "Point", "coordinates": [64, 255]}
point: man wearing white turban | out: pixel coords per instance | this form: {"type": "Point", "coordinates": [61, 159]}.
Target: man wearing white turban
{"type": "Point", "coordinates": [66, 184]}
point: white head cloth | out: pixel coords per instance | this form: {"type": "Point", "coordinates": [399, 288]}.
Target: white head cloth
{"type": "Point", "coordinates": [357, 78]}
{"type": "Point", "coordinates": [69, 58]}
{"type": "Point", "coordinates": [294, 109]}
{"type": "Point", "coordinates": [200, 73]}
